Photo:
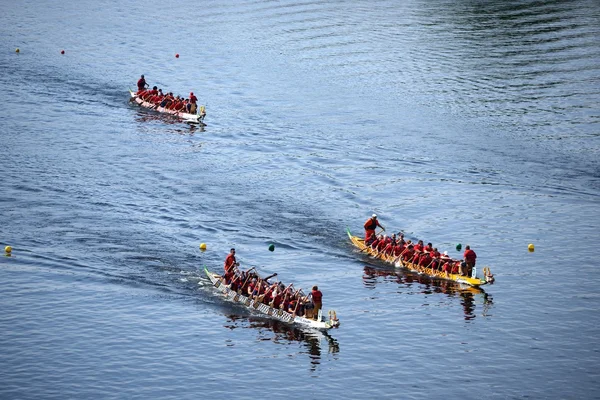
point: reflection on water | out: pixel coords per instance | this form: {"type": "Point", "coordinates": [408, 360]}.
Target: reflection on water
{"type": "Point", "coordinates": [281, 333]}
{"type": "Point", "coordinates": [415, 283]}
{"type": "Point", "coordinates": [185, 128]}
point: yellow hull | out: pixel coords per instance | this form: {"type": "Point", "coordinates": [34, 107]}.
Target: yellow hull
{"type": "Point", "coordinates": [360, 244]}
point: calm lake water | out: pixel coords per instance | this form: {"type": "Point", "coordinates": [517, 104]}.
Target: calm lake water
{"type": "Point", "coordinates": [457, 122]}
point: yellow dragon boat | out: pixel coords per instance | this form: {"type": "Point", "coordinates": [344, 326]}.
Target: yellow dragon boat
{"type": "Point", "coordinates": [473, 280]}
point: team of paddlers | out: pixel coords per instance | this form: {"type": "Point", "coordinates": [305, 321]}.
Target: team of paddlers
{"type": "Point", "coordinates": [275, 295]}
{"type": "Point", "coordinates": [167, 101]}
{"type": "Point", "coordinates": [418, 254]}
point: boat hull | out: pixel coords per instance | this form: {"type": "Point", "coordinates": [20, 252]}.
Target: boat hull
{"type": "Point", "coordinates": [186, 117]}
{"type": "Point", "coordinates": [360, 244]}
{"type": "Point", "coordinates": [270, 312]}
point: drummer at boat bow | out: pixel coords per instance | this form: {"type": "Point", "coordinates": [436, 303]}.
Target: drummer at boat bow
{"type": "Point", "coordinates": [370, 225]}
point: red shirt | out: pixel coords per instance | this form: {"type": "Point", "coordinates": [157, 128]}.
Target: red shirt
{"type": "Point", "coordinates": [370, 226]}
{"type": "Point", "coordinates": [446, 267]}
{"type": "Point", "coordinates": [277, 301]}
{"type": "Point", "coordinates": [469, 256]}
{"type": "Point", "coordinates": [388, 249]}
{"type": "Point", "coordinates": [193, 99]}
{"type": "Point", "coordinates": [141, 84]}
{"type": "Point", "coordinates": [229, 261]}
{"type": "Point", "coordinates": [317, 296]}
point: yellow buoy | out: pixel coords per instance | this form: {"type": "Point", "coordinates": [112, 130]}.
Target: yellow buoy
{"type": "Point", "coordinates": [203, 246]}
{"type": "Point", "coordinates": [531, 247]}
{"type": "Point", "coordinates": [8, 249]}
{"type": "Point", "coordinates": [17, 50]}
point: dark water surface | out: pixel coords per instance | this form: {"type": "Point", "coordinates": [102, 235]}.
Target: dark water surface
{"type": "Point", "coordinates": [455, 121]}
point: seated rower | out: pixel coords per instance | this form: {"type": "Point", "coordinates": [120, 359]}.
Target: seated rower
{"type": "Point", "coordinates": [309, 307]}
{"type": "Point", "coordinates": [425, 260]}
{"type": "Point", "coordinates": [292, 306]}
{"type": "Point", "coordinates": [455, 266]}
{"type": "Point", "coordinates": [446, 268]}
{"type": "Point", "coordinates": [250, 290]}
{"type": "Point", "coordinates": [428, 248]}
{"type": "Point", "coordinates": [276, 298]}
{"type": "Point", "coordinates": [150, 93]}
{"type": "Point", "coordinates": [435, 256]}
{"type": "Point", "coordinates": [419, 246]}
{"type": "Point", "coordinates": [381, 244]}
{"type": "Point", "coordinates": [375, 242]}
{"type": "Point", "coordinates": [409, 253]}
{"type": "Point", "coordinates": [389, 248]}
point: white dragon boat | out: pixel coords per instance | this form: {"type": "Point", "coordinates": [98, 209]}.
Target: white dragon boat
{"type": "Point", "coordinates": [320, 323]}
{"type": "Point", "coordinates": [186, 117]}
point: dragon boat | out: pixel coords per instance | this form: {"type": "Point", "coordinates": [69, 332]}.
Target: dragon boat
{"type": "Point", "coordinates": [397, 262]}
{"type": "Point", "coordinates": [186, 117]}
{"type": "Point", "coordinates": [319, 324]}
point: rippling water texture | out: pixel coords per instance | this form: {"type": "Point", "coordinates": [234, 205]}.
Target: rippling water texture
{"type": "Point", "coordinates": [456, 121]}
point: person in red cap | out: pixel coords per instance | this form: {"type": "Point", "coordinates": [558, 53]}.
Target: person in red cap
{"type": "Point", "coordinates": [193, 101]}
{"type": "Point", "coordinates": [370, 226]}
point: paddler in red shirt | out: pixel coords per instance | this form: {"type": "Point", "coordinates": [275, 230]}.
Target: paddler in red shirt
{"type": "Point", "coordinates": [370, 225]}
{"type": "Point", "coordinates": [150, 93]}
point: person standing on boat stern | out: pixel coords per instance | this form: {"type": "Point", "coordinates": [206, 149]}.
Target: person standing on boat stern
{"type": "Point", "coordinates": [370, 226]}
{"type": "Point", "coordinates": [230, 261]}
{"type": "Point", "coordinates": [470, 257]}
{"type": "Point", "coordinates": [317, 298]}
{"type": "Point", "coordinates": [193, 103]}
{"type": "Point", "coordinates": [141, 84]}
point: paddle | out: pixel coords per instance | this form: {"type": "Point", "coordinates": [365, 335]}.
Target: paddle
{"type": "Point", "coordinates": [247, 277]}
{"type": "Point", "coordinates": [284, 291]}
{"type": "Point", "coordinates": [270, 276]}
{"type": "Point", "coordinates": [269, 290]}
{"type": "Point", "coordinates": [254, 297]}
{"type": "Point", "coordinates": [297, 303]}
{"type": "Point", "coordinates": [401, 254]}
